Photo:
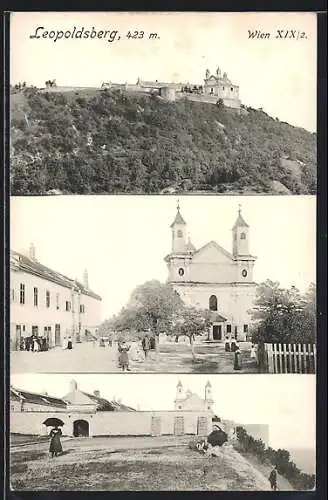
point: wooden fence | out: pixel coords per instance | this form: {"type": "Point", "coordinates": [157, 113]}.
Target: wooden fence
{"type": "Point", "coordinates": [290, 358]}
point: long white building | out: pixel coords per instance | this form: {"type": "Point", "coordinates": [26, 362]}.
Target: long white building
{"type": "Point", "coordinates": [48, 304]}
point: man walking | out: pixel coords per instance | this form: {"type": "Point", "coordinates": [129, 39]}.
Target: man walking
{"type": "Point", "coordinates": [146, 345]}
{"type": "Point", "coordinates": [273, 479]}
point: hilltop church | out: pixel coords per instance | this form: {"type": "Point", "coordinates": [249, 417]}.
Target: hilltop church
{"type": "Point", "coordinates": [213, 278]}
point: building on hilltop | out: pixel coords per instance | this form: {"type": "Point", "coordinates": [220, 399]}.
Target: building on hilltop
{"type": "Point", "coordinates": [220, 86]}
{"type": "Point", "coordinates": [48, 304]}
{"type": "Point", "coordinates": [213, 278]}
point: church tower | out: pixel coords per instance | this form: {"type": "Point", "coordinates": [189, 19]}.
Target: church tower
{"type": "Point", "coordinates": [179, 229]}
{"type": "Point", "coordinates": [240, 249]}
{"type": "Point", "coordinates": [240, 236]}
{"type": "Point", "coordinates": [208, 396]}
{"type": "Point", "coordinates": [179, 396]}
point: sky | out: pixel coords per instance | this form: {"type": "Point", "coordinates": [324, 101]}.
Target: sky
{"type": "Point", "coordinates": [284, 402]}
{"type": "Point", "coordinates": [122, 240]}
{"type": "Point", "coordinates": [277, 74]}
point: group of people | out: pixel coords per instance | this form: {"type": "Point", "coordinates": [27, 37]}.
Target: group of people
{"type": "Point", "coordinates": [145, 346]}
{"type": "Point", "coordinates": [34, 343]}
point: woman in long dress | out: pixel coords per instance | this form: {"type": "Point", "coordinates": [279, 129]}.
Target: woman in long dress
{"type": "Point", "coordinates": [55, 444]}
{"type": "Point", "coordinates": [253, 352]}
{"type": "Point", "coordinates": [237, 361]}
{"type": "Point", "coordinates": [36, 345]}
{"type": "Point", "coordinates": [69, 343]}
{"type": "Point", "coordinates": [227, 344]}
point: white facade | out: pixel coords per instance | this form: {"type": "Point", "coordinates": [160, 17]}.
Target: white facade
{"type": "Point", "coordinates": [48, 304]}
{"type": "Point", "coordinates": [213, 278]}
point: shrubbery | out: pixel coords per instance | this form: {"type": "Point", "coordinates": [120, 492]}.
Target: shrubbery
{"type": "Point", "coordinates": [279, 458]}
{"type": "Point", "coordinates": [110, 141]}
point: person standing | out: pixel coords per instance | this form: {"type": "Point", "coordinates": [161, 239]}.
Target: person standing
{"type": "Point", "coordinates": [123, 357]}
{"type": "Point", "coordinates": [36, 345]}
{"type": "Point", "coordinates": [146, 345]}
{"type": "Point", "coordinates": [55, 445]}
{"type": "Point", "coordinates": [227, 344]}
{"type": "Point", "coordinates": [253, 352]}
{"type": "Point", "coordinates": [273, 479]}
{"type": "Point", "coordinates": [69, 343]}
{"type": "Point", "coordinates": [237, 361]}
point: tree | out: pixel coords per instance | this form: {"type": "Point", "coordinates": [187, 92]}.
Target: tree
{"type": "Point", "coordinates": [190, 321]}
{"type": "Point", "coordinates": [283, 315]}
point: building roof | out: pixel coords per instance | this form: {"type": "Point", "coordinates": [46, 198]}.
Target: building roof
{"type": "Point", "coordinates": [20, 262]}
{"type": "Point", "coordinates": [178, 219]}
{"type": "Point", "coordinates": [105, 405]}
{"type": "Point", "coordinates": [31, 397]}
{"type": "Point", "coordinates": [240, 222]}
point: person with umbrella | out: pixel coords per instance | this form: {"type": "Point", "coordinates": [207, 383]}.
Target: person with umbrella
{"type": "Point", "coordinates": [55, 445]}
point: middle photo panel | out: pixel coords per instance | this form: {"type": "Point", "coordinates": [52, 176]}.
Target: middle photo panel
{"type": "Point", "coordinates": [199, 284]}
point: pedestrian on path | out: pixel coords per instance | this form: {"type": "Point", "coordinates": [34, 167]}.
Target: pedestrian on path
{"type": "Point", "coordinates": [237, 361]}
{"type": "Point", "coordinates": [69, 343]}
{"type": "Point", "coordinates": [273, 479]}
{"type": "Point", "coordinates": [227, 344]}
{"type": "Point", "coordinates": [55, 444]}
{"type": "Point", "coordinates": [123, 358]}
{"type": "Point", "coordinates": [146, 345]}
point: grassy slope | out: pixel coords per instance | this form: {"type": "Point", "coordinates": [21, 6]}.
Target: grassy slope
{"type": "Point", "coordinates": [161, 467]}
{"type": "Point", "coordinates": [99, 142]}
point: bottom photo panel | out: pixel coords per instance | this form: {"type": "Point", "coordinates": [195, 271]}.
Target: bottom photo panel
{"type": "Point", "coordinates": [162, 432]}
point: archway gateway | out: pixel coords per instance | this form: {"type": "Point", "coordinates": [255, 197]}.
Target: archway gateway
{"type": "Point", "coordinates": [80, 428]}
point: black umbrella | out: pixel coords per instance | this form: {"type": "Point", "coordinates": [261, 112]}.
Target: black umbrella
{"type": "Point", "coordinates": [217, 437]}
{"type": "Point", "coordinates": [53, 422]}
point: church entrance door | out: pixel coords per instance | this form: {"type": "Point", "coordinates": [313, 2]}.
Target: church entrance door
{"type": "Point", "coordinates": [217, 332]}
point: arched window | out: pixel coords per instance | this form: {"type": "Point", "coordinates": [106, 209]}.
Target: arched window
{"type": "Point", "coordinates": [243, 236]}
{"type": "Point", "coordinates": [213, 303]}
{"type": "Point", "coordinates": [179, 233]}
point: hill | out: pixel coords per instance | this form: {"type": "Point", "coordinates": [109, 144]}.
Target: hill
{"type": "Point", "coordinates": [134, 463]}
{"type": "Point", "coordinates": [85, 142]}
{"type": "Point", "coordinates": [305, 459]}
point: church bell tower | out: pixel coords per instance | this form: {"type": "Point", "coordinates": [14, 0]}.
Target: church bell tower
{"type": "Point", "coordinates": [179, 229]}
{"type": "Point", "coordinates": [240, 249]}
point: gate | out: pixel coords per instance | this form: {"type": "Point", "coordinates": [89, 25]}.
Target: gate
{"type": "Point", "coordinates": [202, 427]}
{"type": "Point", "coordinates": [156, 426]}
{"type": "Point", "coordinates": [179, 426]}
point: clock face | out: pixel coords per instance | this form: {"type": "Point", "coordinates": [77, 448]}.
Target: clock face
{"type": "Point", "coordinates": [244, 273]}
{"type": "Point", "coordinates": [181, 271]}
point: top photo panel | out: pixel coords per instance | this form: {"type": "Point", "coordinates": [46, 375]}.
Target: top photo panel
{"type": "Point", "coordinates": [163, 103]}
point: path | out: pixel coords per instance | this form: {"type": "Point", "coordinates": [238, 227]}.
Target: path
{"type": "Point", "coordinates": [173, 358]}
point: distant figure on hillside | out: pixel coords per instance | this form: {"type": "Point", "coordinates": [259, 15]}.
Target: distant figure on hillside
{"type": "Point", "coordinates": [123, 358]}
{"type": "Point", "coordinates": [273, 479]}
{"type": "Point", "coordinates": [146, 345]}
{"type": "Point", "coordinates": [227, 344]}
{"type": "Point", "coordinates": [55, 444]}
{"type": "Point", "coordinates": [237, 361]}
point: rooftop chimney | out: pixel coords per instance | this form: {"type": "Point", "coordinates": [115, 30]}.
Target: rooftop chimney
{"type": "Point", "coordinates": [96, 393]}
{"type": "Point", "coordinates": [72, 386]}
{"type": "Point", "coordinates": [86, 279]}
{"type": "Point", "coordinates": [31, 252]}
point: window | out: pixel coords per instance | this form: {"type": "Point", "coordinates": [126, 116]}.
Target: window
{"type": "Point", "coordinates": [179, 233]}
{"type": "Point", "coordinates": [68, 305]}
{"type": "Point", "coordinates": [47, 298]}
{"type": "Point", "coordinates": [245, 328]}
{"type": "Point", "coordinates": [243, 236]}
{"type": "Point", "coordinates": [231, 89]}
{"type": "Point", "coordinates": [22, 294]}
{"type": "Point", "coordinates": [35, 297]}
{"type": "Point", "coordinates": [82, 308]}
{"type": "Point", "coordinates": [228, 328]}
{"type": "Point", "coordinates": [35, 330]}
{"type": "Point", "coordinates": [23, 328]}
{"type": "Point", "coordinates": [57, 301]}
{"type": "Point", "coordinates": [208, 407]}
{"type": "Point", "coordinates": [211, 91]}
{"type": "Point", "coordinates": [213, 303]}
{"type": "Point", "coordinates": [179, 407]}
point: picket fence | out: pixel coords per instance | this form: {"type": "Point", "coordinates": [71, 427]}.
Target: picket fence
{"type": "Point", "coordinates": [291, 358]}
